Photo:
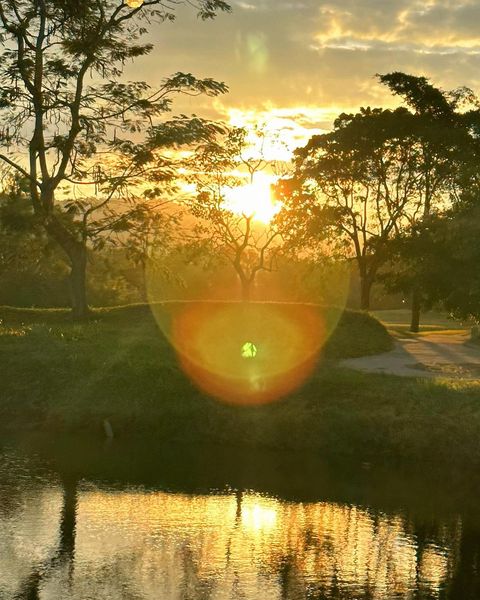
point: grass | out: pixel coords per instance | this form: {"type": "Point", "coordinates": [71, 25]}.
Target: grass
{"type": "Point", "coordinates": [398, 321]}
{"type": "Point", "coordinates": [60, 376]}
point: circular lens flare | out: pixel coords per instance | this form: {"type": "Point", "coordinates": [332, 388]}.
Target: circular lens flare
{"type": "Point", "coordinates": [209, 338]}
{"type": "Point", "coordinates": [249, 350]}
{"type": "Point", "coordinates": [242, 353]}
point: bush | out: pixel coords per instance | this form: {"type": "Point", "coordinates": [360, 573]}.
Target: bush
{"type": "Point", "coordinates": [358, 334]}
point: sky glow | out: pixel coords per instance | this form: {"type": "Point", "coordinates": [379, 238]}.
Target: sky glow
{"type": "Point", "coordinates": [295, 66]}
{"type": "Point", "coordinates": [307, 61]}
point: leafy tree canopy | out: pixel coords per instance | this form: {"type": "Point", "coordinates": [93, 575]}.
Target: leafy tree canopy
{"type": "Point", "coordinates": [62, 103]}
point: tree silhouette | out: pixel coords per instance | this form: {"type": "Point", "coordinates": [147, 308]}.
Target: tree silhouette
{"type": "Point", "coordinates": [238, 237]}
{"type": "Point", "coordinates": [442, 253]}
{"type": "Point", "coordinates": [62, 102]}
{"type": "Point", "coordinates": [353, 188]}
{"type": "Point", "coordinates": [442, 134]}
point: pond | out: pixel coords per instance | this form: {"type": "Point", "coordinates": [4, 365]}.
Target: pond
{"type": "Point", "coordinates": [81, 519]}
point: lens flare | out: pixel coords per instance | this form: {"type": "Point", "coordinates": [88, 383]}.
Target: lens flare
{"type": "Point", "coordinates": [254, 52]}
{"type": "Point", "coordinates": [243, 353]}
{"type": "Point", "coordinates": [209, 338]}
{"type": "Point", "coordinates": [249, 350]}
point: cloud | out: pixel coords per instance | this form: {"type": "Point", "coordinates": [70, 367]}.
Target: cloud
{"type": "Point", "coordinates": [440, 26]}
{"type": "Point", "coordinates": [314, 59]}
{"type": "Point", "coordinates": [246, 6]}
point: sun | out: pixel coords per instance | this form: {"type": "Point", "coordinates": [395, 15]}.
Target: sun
{"type": "Point", "coordinates": [254, 199]}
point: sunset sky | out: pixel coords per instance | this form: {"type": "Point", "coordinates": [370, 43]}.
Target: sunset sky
{"type": "Point", "coordinates": [297, 64]}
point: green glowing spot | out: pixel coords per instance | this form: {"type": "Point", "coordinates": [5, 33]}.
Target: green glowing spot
{"type": "Point", "coordinates": [249, 350]}
{"type": "Point", "coordinates": [257, 50]}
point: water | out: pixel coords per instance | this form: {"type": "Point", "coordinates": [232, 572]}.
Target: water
{"type": "Point", "coordinates": [83, 520]}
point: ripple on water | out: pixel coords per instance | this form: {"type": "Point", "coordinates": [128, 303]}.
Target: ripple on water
{"type": "Point", "coordinates": [82, 539]}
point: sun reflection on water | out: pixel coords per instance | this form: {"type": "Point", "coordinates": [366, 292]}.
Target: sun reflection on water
{"type": "Point", "coordinates": [261, 543]}
{"type": "Point", "coordinates": [222, 546]}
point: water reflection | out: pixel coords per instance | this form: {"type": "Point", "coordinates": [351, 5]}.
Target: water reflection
{"type": "Point", "coordinates": [74, 538]}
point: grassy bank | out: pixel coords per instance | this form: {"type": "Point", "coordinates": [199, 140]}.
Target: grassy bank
{"type": "Point", "coordinates": [60, 376]}
{"type": "Point", "coordinates": [398, 320]}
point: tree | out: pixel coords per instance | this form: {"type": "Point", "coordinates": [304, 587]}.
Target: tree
{"type": "Point", "coordinates": [31, 268]}
{"type": "Point", "coordinates": [354, 188]}
{"type": "Point", "coordinates": [16, 226]}
{"type": "Point", "coordinates": [62, 102]}
{"type": "Point", "coordinates": [235, 234]}
{"type": "Point", "coordinates": [146, 233]}
{"type": "Point", "coordinates": [442, 134]}
{"type": "Point", "coordinates": [441, 252]}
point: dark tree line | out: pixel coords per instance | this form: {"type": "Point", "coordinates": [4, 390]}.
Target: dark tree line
{"type": "Point", "coordinates": [381, 176]}
{"type": "Point", "coordinates": [393, 190]}
{"type": "Point", "coordinates": [62, 102]}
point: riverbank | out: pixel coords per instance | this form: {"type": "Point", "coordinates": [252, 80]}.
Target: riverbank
{"type": "Point", "coordinates": [58, 376]}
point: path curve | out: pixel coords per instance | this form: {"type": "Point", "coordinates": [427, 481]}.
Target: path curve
{"type": "Point", "coordinates": [432, 354]}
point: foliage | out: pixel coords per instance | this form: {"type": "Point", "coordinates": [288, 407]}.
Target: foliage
{"type": "Point", "coordinates": [358, 334]}
{"type": "Point", "coordinates": [62, 101]}
{"type": "Point", "coordinates": [443, 254]}
{"type": "Point", "coordinates": [447, 125]}
{"type": "Point", "coordinates": [355, 187]}
{"type": "Point", "coordinates": [33, 270]}
{"type": "Point", "coordinates": [381, 171]}
{"type": "Point", "coordinates": [247, 244]}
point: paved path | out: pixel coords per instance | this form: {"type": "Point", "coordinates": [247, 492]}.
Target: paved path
{"type": "Point", "coordinates": [433, 355]}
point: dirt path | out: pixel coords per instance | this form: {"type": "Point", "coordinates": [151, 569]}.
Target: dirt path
{"type": "Point", "coordinates": [432, 354]}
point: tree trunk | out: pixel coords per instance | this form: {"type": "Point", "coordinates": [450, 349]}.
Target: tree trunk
{"type": "Point", "coordinates": [465, 581]}
{"type": "Point", "coordinates": [245, 290]}
{"type": "Point", "coordinates": [31, 588]}
{"type": "Point", "coordinates": [416, 308]}
{"type": "Point", "coordinates": [68, 521]}
{"type": "Point", "coordinates": [77, 253]}
{"type": "Point", "coordinates": [365, 290]}
{"type": "Point", "coordinates": [144, 291]}
{"type": "Point", "coordinates": [68, 525]}
{"type": "Point", "coordinates": [78, 283]}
